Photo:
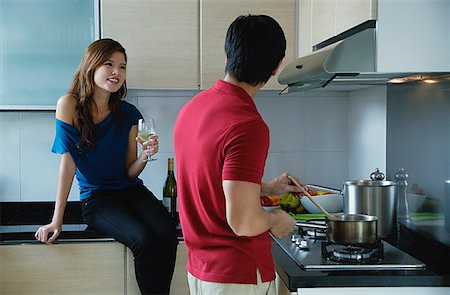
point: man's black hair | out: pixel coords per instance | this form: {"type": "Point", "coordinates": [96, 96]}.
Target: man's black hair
{"type": "Point", "coordinates": [254, 46]}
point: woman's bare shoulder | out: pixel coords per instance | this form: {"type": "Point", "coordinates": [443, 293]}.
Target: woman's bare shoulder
{"type": "Point", "coordinates": [66, 109]}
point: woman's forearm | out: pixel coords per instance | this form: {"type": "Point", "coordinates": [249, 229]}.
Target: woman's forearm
{"type": "Point", "coordinates": [66, 173]}
{"type": "Point", "coordinates": [136, 167]}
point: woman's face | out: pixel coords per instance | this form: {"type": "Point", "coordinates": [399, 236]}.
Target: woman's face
{"type": "Point", "coordinates": [111, 75]}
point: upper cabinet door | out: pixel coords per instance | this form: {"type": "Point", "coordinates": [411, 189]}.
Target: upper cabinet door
{"type": "Point", "coordinates": [323, 20]}
{"type": "Point", "coordinates": [320, 20]}
{"type": "Point", "coordinates": [350, 13]}
{"type": "Point", "coordinates": [217, 15]}
{"type": "Point", "coordinates": [161, 39]}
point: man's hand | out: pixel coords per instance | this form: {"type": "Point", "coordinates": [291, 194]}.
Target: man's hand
{"type": "Point", "coordinates": [281, 185]}
{"type": "Point", "coordinates": [283, 223]}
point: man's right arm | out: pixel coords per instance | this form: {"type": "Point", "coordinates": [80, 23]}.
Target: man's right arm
{"type": "Point", "coordinates": [245, 214]}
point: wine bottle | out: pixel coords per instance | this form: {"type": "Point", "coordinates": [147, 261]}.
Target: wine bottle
{"type": "Point", "coordinates": [170, 191]}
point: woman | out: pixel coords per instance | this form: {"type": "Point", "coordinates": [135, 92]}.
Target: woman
{"type": "Point", "coordinates": [96, 135]}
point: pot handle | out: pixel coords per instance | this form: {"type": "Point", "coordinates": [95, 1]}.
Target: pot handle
{"type": "Point", "coordinates": [310, 225]}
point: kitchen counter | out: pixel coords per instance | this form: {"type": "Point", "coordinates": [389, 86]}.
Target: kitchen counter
{"type": "Point", "coordinates": [20, 220]}
{"type": "Point", "coordinates": [11, 238]}
{"type": "Point", "coordinates": [419, 240]}
{"type": "Point", "coordinates": [87, 235]}
{"type": "Point", "coordinates": [294, 277]}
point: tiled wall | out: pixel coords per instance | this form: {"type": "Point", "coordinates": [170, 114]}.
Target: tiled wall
{"type": "Point", "coordinates": [367, 132]}
{"type": "Point", "coordinates": [310, 134]}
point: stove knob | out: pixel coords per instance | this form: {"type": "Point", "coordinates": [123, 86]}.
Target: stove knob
{"type": "Point", "coordinates": [294, 238]}
{"type": "Point", "coordinates": [301, 243]}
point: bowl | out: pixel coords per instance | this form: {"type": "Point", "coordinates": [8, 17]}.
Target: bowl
{"type": "Point", "coordinates": [271, 208]}
{"type": "Point", "coordinates": [415, 202]}
{"type": "Point", "coordinates": [333, 203]}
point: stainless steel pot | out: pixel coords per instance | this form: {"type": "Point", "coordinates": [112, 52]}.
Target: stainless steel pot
{"type": "Point", "coordinates": [372, 197]}
{"type": "Point", "coordinates": [349, 229]}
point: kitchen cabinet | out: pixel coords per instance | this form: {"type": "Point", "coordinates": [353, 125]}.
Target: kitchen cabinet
{"type": "Point", "coordinates": [179, 43]}
{"type": "Point", "coordinates": [64, 268]}
{"type": "Point", "coordinates": [217, 15]}
{"type": "Point", "coordinates": [179, 281]}
{"type": "Point", "coordinates": [161, 40]}
{"type": "Point", "coordinates": [103, 267]}
{"type": "Point", "coordinates": [323, 19]}
{"type": "Point", "coordinates": [281, 287]}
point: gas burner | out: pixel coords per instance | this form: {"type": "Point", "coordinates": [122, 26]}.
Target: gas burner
{"type": "Point", "coordinates": [353, 253]}
{"type": "Point", "coordinates": [367, 253]}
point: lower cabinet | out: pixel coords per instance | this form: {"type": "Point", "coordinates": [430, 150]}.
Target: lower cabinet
{"type": "Point", "coordinates": [281, 287]}
{"type": "Point", "coordinates": [104, 267]}
{"type": "Point", "coordinates": [65, 268]}
{"type": "Point", "coordinates": [179, 282]}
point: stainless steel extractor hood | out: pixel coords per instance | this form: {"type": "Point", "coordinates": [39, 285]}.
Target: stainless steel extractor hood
{"type": "Point", "coordinates": [348, 59]}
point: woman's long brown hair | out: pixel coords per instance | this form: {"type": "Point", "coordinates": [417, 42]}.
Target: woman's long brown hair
{"type": "Point", "coordinates": [83, 87]}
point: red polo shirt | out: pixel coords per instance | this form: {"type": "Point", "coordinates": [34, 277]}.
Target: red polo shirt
{"type": "Point", "coordinates": [219, 135]}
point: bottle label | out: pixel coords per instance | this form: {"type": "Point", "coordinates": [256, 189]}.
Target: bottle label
{"type": "Point", "coordinates": [166, 203]}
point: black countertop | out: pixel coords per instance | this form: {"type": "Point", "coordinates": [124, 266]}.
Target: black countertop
{"type": "Point", "coordinates": [20, 220]}
{"type": "Point", "coordinates": [294, 277]}
{"type": "Point", "coordinates": [437, 258]}
{"type": "Point", "coordinates": [26, 237]}
{"type": "Point", "coordinates": [434, 254]}
{"type": "Point", "coordinates": [16, 238]}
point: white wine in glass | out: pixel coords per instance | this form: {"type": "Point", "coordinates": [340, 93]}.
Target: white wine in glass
{"type": "Point", "coordinates": [146, 129]}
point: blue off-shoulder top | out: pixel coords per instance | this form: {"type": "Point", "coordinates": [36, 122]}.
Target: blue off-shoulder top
{"type": "Point", "coordinates": [104, 165]}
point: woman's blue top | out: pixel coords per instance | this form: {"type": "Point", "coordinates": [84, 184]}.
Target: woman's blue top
{"type": "Point", "coordinates": [104, 165]}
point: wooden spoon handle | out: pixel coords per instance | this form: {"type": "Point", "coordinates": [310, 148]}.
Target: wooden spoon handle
{"type": "Point", "coordinates": [327, 214]}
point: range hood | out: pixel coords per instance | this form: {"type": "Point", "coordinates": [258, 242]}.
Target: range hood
{"type": "Point", "coordinates": [348, 59]}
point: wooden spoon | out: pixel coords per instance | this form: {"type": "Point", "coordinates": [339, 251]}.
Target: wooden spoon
{"type": "Point", "coordinates": [327, 214]}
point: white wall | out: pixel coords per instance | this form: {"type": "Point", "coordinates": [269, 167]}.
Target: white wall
{"type": "Point", "coordinates": [367, 132]}
{"type": "Point", "coordinates": [309, 137]}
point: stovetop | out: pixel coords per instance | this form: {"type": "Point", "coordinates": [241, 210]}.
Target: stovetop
{"type": "Point", "coordinates": [307, 253]}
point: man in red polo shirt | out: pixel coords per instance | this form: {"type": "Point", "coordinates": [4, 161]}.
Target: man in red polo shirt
{"type": "Point", "coordinates": [221, 145]}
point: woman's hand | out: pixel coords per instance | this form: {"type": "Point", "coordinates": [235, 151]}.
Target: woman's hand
{"type": "Point", "coordinates": [43, 232]}
{"type": "Point", "coordinates": [150, 147]}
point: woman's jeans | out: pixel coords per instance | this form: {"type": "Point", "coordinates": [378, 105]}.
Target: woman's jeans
{"type": "Point", "coordinates": [137, 219]}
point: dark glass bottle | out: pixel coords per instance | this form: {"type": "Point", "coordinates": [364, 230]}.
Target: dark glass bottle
{"type": "Point", "coordinates": [170, 191]}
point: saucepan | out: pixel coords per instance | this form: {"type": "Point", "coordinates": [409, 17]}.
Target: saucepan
{"type": "Point", "coordinates": [345, 228]}
{"type": "Point", "coordinates": [349, 229]}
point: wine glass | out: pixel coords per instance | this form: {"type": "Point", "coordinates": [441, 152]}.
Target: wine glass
{"type": "Point", "coordinates": [146, 129]}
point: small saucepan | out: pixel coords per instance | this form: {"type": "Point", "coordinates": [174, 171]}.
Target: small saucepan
{"type": "Point", "coordinates": [349, 229]}
{"type": "Point", "coordinates": [345, 228]}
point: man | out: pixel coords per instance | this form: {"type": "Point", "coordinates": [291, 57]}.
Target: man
{"type": "Point", "coordinates": [221, 145]}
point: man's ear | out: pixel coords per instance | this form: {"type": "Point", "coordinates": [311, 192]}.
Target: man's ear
{"type": "Point", "coordinates": [274, 72]}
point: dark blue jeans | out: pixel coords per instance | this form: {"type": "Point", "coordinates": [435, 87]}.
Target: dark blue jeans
{"type": "Point", "coordinates": [137, 219]}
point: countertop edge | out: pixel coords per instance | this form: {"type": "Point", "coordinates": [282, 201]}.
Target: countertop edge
{"type": "Point", "coordinates": [294, 277]}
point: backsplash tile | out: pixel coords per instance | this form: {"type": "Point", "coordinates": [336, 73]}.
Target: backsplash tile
{"type": "Point", "coordinates": [308, 138]}
{"type": "Point", "coordinates": [37, 132]}
{"type": "Point", "coordinates": [9, 132]}
{"type": "Point", "coordinates": [164, 110]}
{"type": "Point", "coordinates": [286, 118]}
{"type": "Point", "coordinates": [39, 176]}
{"type": "Point", "coordinates": [155, 173]}
{"type": "Point", "coordinates": [327, 168]}
{"type": "Point", "coordinates": [367, 132]}
{"type": "Point", "coordinates": [327, 123]}
{"type": "Point", "coordinates": [278, 163]}
{"type": "Point", "coordinates": [9, 177]}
